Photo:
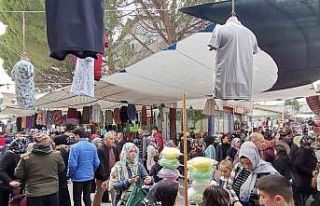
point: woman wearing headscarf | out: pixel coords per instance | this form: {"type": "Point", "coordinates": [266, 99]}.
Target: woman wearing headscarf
{"type": "Point", "coordinates": [164, 193]}
{"type": "Point", "coordinates": [243, 178]}
{"type": "Point", "coordinates": [233, 151]}
{"type": "Point", "coordinates": [97, 142]}
{"type": "Point", "coordinates": [8, 163]}
{"type": "Point", "coordinates": [210, 151]}
{"type": "Point", "coordinates": [152, 151]}
{"type": "Point", "coordinates": [126, 173]}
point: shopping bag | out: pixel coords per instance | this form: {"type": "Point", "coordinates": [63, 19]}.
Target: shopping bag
{"type": "Point", "coordinates": [18, 200]}
{"type": "Point", "coordinates": [137, 195]}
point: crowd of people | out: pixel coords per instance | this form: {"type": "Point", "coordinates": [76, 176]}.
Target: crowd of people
{"type": "Point", "coordinates": [262, 168]}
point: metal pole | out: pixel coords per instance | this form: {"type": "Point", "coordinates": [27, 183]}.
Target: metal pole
{"type": "Point", "coordinates": [23, 32]}
{"type": "Point", "coordinates": [185, 151]}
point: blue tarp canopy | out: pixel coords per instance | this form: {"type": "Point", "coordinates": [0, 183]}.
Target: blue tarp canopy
{"type": "Point", "coordinates": [288, 30]}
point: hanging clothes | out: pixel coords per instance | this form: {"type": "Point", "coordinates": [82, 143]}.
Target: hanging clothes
{"type": "Point", "coordinates": [34, 120]}
{"type": "Point", "coordinates": [49, 117]}
{"type": "Point", "coordinates": [95, 116]}
{"type": "Point", "coordinates": [144, 116]}
{"type": "Point", "coordinates": [209, 107]}
{"type": "Point", "coordinates": [18, 123]}
{"type": "Point", "coordinates": [72, 116]}
{"type": "Point", "coordinates": [116, 116]}
{"type": "Point", "coordinates": [57, 117]}
{"type": "Point", "coordinates": [173, 123]}
{"type": "Point", "coordinates": [40, 119]}
{"type": "Point", "coordinates": [235, 46]}
{"type": "Point", "coordinates": [86, 115]}
{"type": "Point", "coordinates": [98, 68]}
{"type": "Point", "coordinates": [29, 122]}
{"type": "Point", "coordinates": [23, 122]}
{"type": "Point", "coordinates": [131, 112]}
{"type": "Point", "coordinates": [79, 117]}
{"type": "Point", "coordinates": [75, 27]}
{"type": "Point", "coordinates": [109, 117]}
{"type": "Point", "coordinates": [23, 75]}
{"type": "Point", "coordinates": [83, 79]}
{"type": "Point", "coordinates": [101, 118]}
{"type": "Point", "coordinates": [151, 118]}
{"type": "Point", "coordinates": [124, 114]}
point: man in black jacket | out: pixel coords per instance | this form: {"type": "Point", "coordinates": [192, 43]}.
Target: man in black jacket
{"type": "Point", "coordinates": [304, 163]}
{"type": "Point", "coordinates": [108, 155]}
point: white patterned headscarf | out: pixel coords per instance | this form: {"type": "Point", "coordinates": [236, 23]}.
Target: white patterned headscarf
{"type": "Point", "coordinates": [125, 160]}
{"type": "Point", "coordinates": [250, 151]}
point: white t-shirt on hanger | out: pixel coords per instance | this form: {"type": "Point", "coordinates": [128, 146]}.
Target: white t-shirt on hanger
{"type": "Point", "coordinates": [235, 45]}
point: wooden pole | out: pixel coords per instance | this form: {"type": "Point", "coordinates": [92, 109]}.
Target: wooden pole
{"type": "Point", "coordinates": [185, 151]}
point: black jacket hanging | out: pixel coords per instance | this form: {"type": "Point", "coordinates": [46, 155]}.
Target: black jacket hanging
{"type": "Point", "coordinates": [75, 27]}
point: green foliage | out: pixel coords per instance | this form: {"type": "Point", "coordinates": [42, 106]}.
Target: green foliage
{"type": "Point", "coordinates": [35, 45]}
{"type": "Point", "coordinates": [194, 116]}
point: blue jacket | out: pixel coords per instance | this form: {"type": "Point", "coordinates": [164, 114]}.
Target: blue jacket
{"type": "Point", "coordinates": [83, 161]}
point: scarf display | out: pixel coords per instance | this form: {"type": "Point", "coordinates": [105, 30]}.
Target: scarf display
{"type": "Point", "coordinates": [72, 116]}
{"type": "Point", "coordinates": [144, 115]}
{"type": "Point", "coordinates": [108, 117]}
{"type": "Point", "coordinates": [173, 122]}
{"type": "Point", "coordinates": [131, 112]}
{"type": "Point", "coordinates": [86, 114]}
{"type": "Point", "coordinates": [40, 119]}
{"type": "Point", "coordinates": [49, 117]}
{"type": "Point", "coordinates": [116, 116]}
{"type": "Point", "coordinates": [95, 116]}
{"type": "Point", "coordinates": [124, 114]}
{"type": "Point", "coordinates": [57, 117]}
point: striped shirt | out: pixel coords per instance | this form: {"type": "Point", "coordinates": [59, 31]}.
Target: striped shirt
{"type": "Point", "coordinates": [240, 179]}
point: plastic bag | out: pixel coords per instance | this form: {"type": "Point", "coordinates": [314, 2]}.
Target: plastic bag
{"type": "Point", "coordinates": [171, 175]}
{"type": "Point", "coordinates": [201, 175]}
{"type": "Point", "coordinates": [201, 163]}
{"type": "Point", "coordinates": [170, 153]}
{"type": "Point", "coordinates": [18, 200]}
{"type": "Point", "coordinates": [169, 164]}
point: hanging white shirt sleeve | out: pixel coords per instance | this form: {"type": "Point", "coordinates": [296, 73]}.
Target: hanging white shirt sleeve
{"type": "Point", "coordinates": [255, 45]}
{"type": "Point", "coordinates": [214, 42]}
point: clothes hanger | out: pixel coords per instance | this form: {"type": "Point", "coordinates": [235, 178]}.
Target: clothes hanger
{"type": "Point", "coordinates": [233, 11]}
{"type": "Point", "coordinates": [25, 56]}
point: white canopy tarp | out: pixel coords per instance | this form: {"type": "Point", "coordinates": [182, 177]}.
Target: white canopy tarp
{"type": "Point", "coordinates": [10, 111]}
{"type": "Point", "coordinates": [106, 95]}
{"type": "Point", "coordinates": [188, 67]}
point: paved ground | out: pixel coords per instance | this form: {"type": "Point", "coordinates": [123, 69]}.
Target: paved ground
{"type": "Point", "coordinates": [70, 191]}
{"type": "Point", "coordinates": [180, 200]}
